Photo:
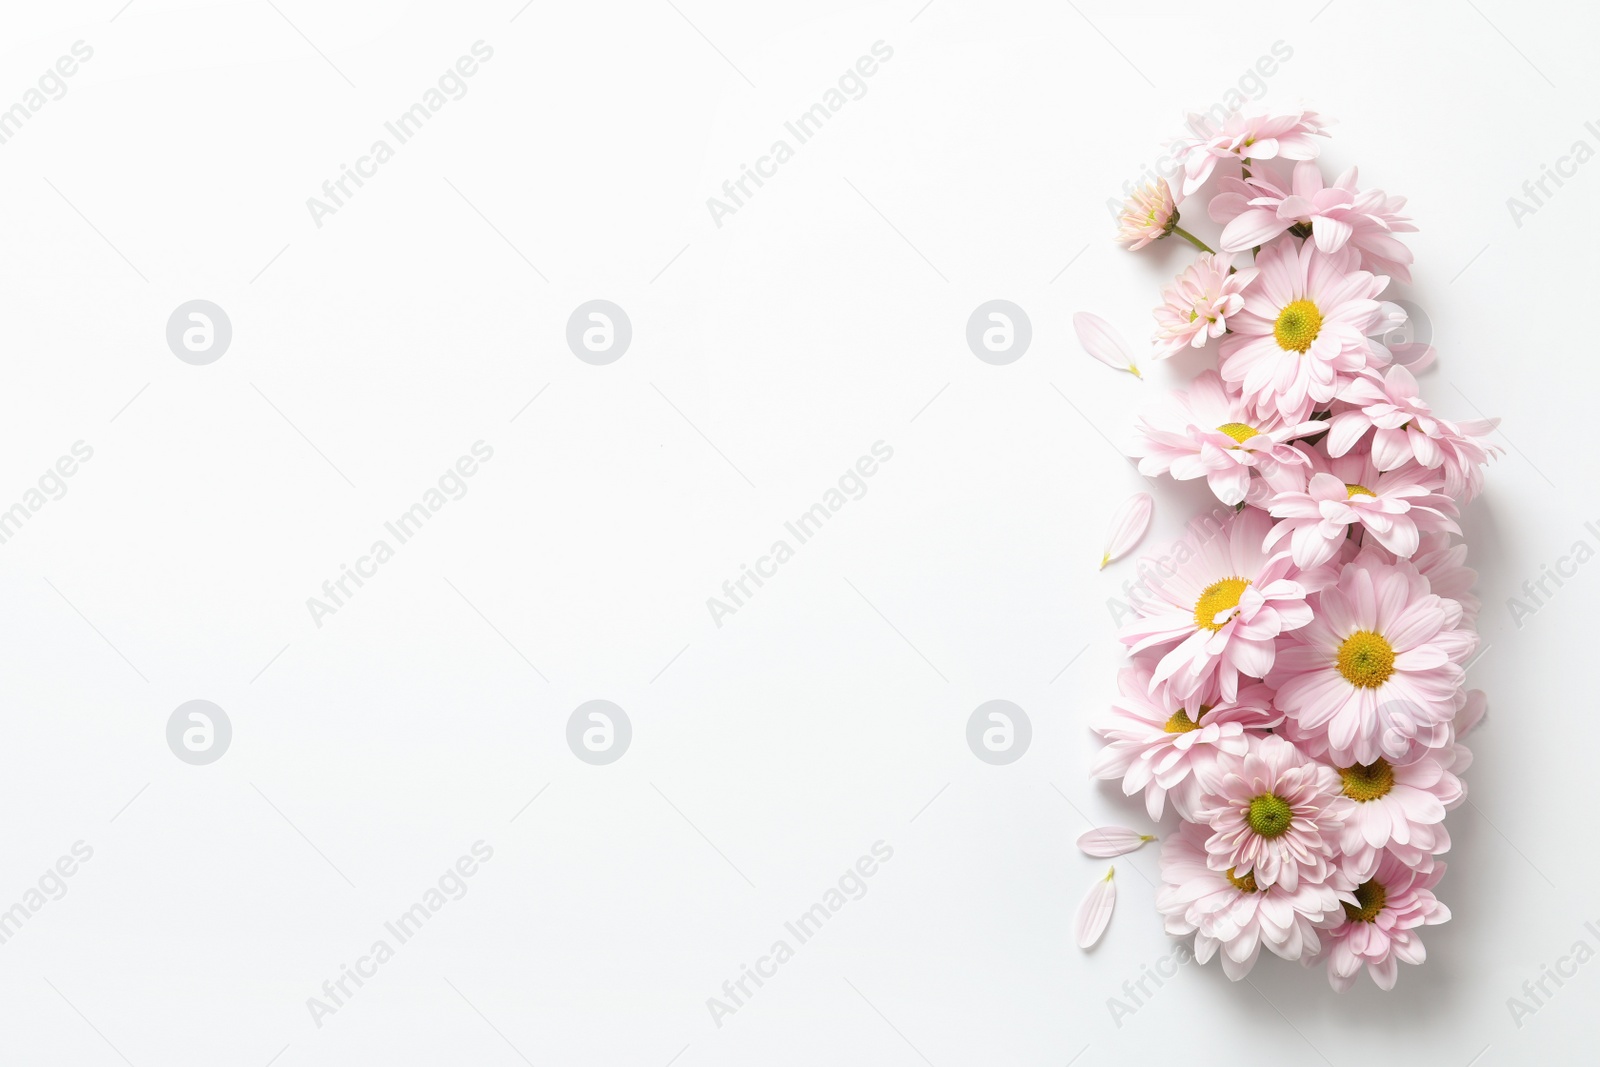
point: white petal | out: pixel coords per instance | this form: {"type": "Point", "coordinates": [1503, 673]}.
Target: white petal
{"type": "Point", "coordinates": [1129, 523]}
{"type": "Point", "coordinates": [1095, 911]}
{"type": "Point", "coordinates": [1104, 343]}
{"type": "Point", "coordinates": [1107, 841]}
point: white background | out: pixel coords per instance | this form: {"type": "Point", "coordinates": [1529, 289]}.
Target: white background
{"type": "Point", "coordinates": [768, 354]}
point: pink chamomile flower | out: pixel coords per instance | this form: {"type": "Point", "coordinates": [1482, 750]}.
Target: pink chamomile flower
{"type": "Point", "coordinates": [1378, 668]}
{"type": "Point", "coordinates": [1380, 927]}
{"type": "Point", "coordinates": [1147, 215]}
{"type": "Point", "coordinates": [1257, 136]}
{"type": "Point", "coordinates": [1400, 808]}
{"type": "Point", "coordinates": [1404, 429]}
{"type": "Point", "coordinates": [1271, 814]}
{"type": "Point", "coordinates": [1155, 742]}
{"type": "Point", "coordinates": [1257, 210]}
{"type": "Point", "coordinates": [1198, 302]}
{"type": "Point", "coordinates": [1393, 507]}
{"type": "Point", "coordinates": [1232, 913]}
{"type": "Point", "coordinates": [1302, 336]}
{"type": "Point", "coordinates": [1207, 432]}
{"type": "Point", "coordinates": [1219, 613]}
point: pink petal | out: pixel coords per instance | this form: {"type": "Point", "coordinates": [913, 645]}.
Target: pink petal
{"type": "Point", "coordinates": [1101, 341]}
{"type": "Point", "coordinates": [1095, 911]}
{"type": "Point", "coordinates": [1107, 841]}
{"type": "Point", "coordinates": [1129, 523]}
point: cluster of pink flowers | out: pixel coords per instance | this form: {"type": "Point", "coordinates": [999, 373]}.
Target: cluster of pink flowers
{"type": "Point", "coordinates": [1296, 692]}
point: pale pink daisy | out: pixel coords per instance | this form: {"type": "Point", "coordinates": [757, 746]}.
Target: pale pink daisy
{"type": "Point", "coordinates": [1155, 741]}
{"type": "Point", "coordinates": [1206, 432]}
{"type": "Point", "coordinates": [1380, 926]}
{"type": "Point", "coordinates": [1258, 136]}
{"type": "Point", "coordinates": [1221, 611]}
{"type": "Point", "coordinates": [1147, 215]}
{"type": "Point", "coordinates": [1395, 507]}
{"type": "Point", "coordinates": [1381, 251]}
{"type": "Point", "coordinates": [1258, 209]}
{"type": "Point", "coordinates": [1378, 667]}
{"type": "Point", "coordinates": [1404, 429]}
{"type": "Point", "coordinates": [1398, 808]}
{"type": "Point", "coordinates": [1445, 567]}
{"type": "Point", "coordinates": [1231, 912]}
{"type": "Point", "coordinates": [1198, 303]}
{"type": "Point", "coordinates": [1272, 814]}
{"type": "Point", "coordinates": [1302, 335]}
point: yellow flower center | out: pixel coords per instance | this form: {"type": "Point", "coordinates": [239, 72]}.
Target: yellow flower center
{"type": "Point", "coordinates": [1270, 815]}
{"type": "Point", "coordinates": [1366, 660]}
{"type": "Point", "coordinates": [1219, 597]}
{"type": "Point", "coordinates": [1180, 723]}
{"type": "Point", "coordinates": [1356, 489]}
{"type": "Point", "coordinates": [1372, 898]}
{"type": "Point", "coordinates": [1238, 431]}
{"type": "Point", "coordinates": [1246, 884]}
{"type": "Point", "coordinates": [1297, 326]}
{"type": "Point", "coordinates": [1367, 781]}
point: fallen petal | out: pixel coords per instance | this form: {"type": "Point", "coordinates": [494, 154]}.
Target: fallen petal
{"type": "Point", "coordinates": [1104, 343]}
{"type": "Point", "coordinates": [1129, 523]}
{"type": "Point", "coordinates": [1095, 911]}
{"type": "Point", "coordinates": [1107, 841]}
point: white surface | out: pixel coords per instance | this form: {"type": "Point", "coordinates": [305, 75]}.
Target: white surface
{"type": "Point", "coordinates": [802, 331]}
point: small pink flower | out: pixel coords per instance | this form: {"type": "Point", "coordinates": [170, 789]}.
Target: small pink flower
{"type": "Point", "coordinates": [1302, 335]}
{"type": "Point", "coordinates": [1257, 210]}
{"type": "Point", "coordinates": [1400, 808]}
{"type": "Point", "coordinates": [1285, 134]}
{"type": "Point", "coordinates": [1156, 741]}
{"type": "Point", "coordinates": [1394, 508]}
{"type": "Point", "coordinates": [1147, 215]}
{"type": "Point", "coordinates": [1379, 930]}
{"type": "Point", "coordinates": [1208, 432]}
{"type": "Point", "coordinates": [1219, 614]}
{"type": "Point", "coordinates": [1198, 303]}
{"type": "Point", "coordinates": [1272, 815]}
{"type": "Point", "coordinates": [1232, 912]}
{"type": "Point", "coordinates": [1378, 668]}
{"type": "Point", "coordinates": [1405, 429]}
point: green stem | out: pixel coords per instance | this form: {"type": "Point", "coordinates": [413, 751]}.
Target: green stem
{"type": "Point", "coordinates": [1192, 239]}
